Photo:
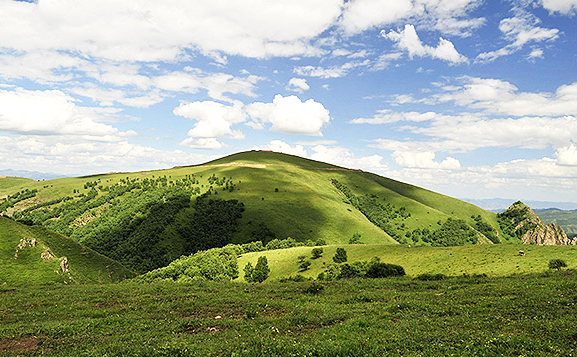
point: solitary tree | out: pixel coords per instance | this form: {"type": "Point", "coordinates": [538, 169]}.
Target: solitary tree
{"type": "Point", "coordinates": [317, 253]}
{"type": "Point", "coordinates": [340, 255]}
{"type": "Point", "coordinates": [557, 264]}
{"type": "Point", "coordinates": [261, 270]}
{"type": "Point", "coordinates": [305, 265]}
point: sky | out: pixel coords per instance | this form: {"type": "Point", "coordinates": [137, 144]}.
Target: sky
{"type": "Point", "coordinates": [468, 98]}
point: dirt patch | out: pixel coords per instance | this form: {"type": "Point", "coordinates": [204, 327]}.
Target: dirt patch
{"type": "Point", "coordinates": [22, 344]}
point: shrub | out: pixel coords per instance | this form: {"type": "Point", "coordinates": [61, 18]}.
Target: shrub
{"type": "Point", "coordinates": [297, 278]}
{"type": "Point", "coordinates": [301, 258]}
{"type": "Point", "coordinates": [313, 288]}
{"type": "Point", "coordinates": [383, 270]}
{"type": "Point", "coordinates": [261, 270]}
{"type": "Point", "coordinates": [430, 277]}
{"type": "Point", "coordinates": [340, 256]}
{"type": "Point", "coordinates": [557, 264]}
{"type": "Point", "coordinates": [305, 265]}
{"type": "Point", "coordinates": [355, 239]}
{"type": "Point", "coordinates": [317, 253]}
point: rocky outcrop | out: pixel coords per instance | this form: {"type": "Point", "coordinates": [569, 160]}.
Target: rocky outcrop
{"type": "Point", "coordinates": [520, 220]}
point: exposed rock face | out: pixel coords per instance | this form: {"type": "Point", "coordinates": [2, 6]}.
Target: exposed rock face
{"type": "Point", "coordinates": [531, 229]}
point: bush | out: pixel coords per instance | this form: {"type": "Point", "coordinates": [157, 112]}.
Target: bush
{"type": "Point", "coordinates": [340, 256]}
{"type": "Point", "coordinates": [430, 277]}
{"type": "Point", "coordinates": [383, 270]}
{"type": "Point", "coordinates": [317, 253]}
{"type": "Point", "coordinates": [305, 265]}
{"type": "Point", "coordinates": [355, 239]}
{"type": "Point", "coordinates": [557, 264]}
{"type": "Point", "coordinates": [259, 273]}
{"type": "Point", "coordinates": [313, 288]}
{"type": "Point", "coordinates": [297, 279]}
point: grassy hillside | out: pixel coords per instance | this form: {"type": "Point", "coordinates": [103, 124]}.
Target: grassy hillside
{"type": "Point", "coordinates": [566, 219]}
{"type": "Point", "coordinates": [7, 182]}
{"type": "Point", "coordinates": [246, 196]}
{"type": "Point", "coordinates": [33, 255]}
{"type": "Point", "coordinates": [526, 315]}
{"type": "Point", "coordinates": [493, 260]}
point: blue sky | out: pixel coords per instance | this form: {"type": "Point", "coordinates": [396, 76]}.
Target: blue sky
{"type": "Point", "coordinates": [468, 98]}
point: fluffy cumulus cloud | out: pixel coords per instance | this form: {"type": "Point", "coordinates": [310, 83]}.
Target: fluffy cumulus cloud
{"type": "Point", "coordinates": [156, 31]}
{"type": "Point", "coordinates": [69, 155]}
{"type": "Point", "coordinates": [424, 160]}
{"type": "Point", "coordinates": [565, 7]}
{"type": "Point", "coordinates": [496, 96]}
{"type": "Point", "coordinates": [447, 16]}
{"type": "Point", "coordinates": [408, 40]}
{"type": "Point", "coordinates": [567, 155]}
{"type": "Point", "coordinates": [290, 115]}
{"type": "Point", "coordinates": [298, 85]}
{"type": "Point", "coordinates": [53, 113]}
{"type": "Point", "coordinates": [342, 156]}
{"type": "Point", "coordinates": [213, 120]}
{"type": "Point", "coordinates": [519, 31]}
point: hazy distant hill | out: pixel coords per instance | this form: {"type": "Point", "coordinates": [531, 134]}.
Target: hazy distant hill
{"type": "Point", "coordinates": [501, 204]}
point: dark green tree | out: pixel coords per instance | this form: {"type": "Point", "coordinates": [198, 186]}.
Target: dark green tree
{"type": "Point", "coordinates": [557, 264]}
{"type": "Point", "coordinates": [340, 256]}
{"type": "Point", "coordinates": [260, 272]}
{"type": "Point", "coordinates": [317, 253]}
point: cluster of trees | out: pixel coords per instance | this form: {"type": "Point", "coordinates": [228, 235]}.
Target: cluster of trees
{"type": "Point", "coordinates": [384, 216]}
{"type": "Point", "coordinates": [259, 272]}
{"type": "Point", "coordinates": [485, 229]}
{"type": "Point", "coordinates": [510, 220]}
{"type": "Point", "coordinates": [11, 200]}
{"type": "Point", "coordinates": [450, 233]}
{"type": "Point", "coordinates": [212, 264]}
{"type": "Point", "coordinates": [373, 268]}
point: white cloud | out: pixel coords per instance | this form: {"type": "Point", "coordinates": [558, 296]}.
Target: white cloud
{"type": "Point", "coordinates": [519, 31]}
{"type": "Point", "coordinates": [52, 113]}
{"type": "Point", "coordinates": [386, 116]}
{"type": "Point", "coordinates": [330, 72]}
{"type": "Point", "coordinates": [535, 53]}
{"type": "Point", "coordinates": [500, 97]}
{"type": "Point", "coordinates": [71, 155]}
{"type": "Point", "coordinates": [290, 115]}
{"type": "Point", "coordinates": [298, 85]}
{"type": "Point", "coordinates": [408, 40]}
{"type": "Point", "coordinates": [424, 160]}
{"type": "Point", "coordinates": [567, 155]}
{"type": "Point", "coordinates": [213, 120]}
{"type": "Point", "coordinates": [341, 156]}
{"type": "Point", "coordinates": [565, 7]}
{"type": "Point", "coordinates": [159, 31]}
{"type": "Point", "coordinates": [361, 15]}
{"type": "Point", "coordinates": [281, 146]}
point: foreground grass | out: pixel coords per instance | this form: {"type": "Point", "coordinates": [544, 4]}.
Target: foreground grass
{"type": "Point", "coordinates": [529, 315]}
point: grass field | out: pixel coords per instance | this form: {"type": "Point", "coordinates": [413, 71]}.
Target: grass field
{"type": "Point", "coordinates": [490, 259]}
{"type": "Point", "coordinates": [526, 315]}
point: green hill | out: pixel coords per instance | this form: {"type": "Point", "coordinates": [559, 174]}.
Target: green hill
{"type": "Point", "coordinates": [566, 219]}
{"type": "Point", "coordinates": [493, 260]}
{"type": "Point", "coordinates": [35, 255]}
{"type": "Point", "coordinates": [147, 219]}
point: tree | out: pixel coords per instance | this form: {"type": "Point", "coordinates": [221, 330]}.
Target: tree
{"type": "Point", "coordinates": [301, 258]}
{"type": "Point", "coordinates": [261, 270]}
{"type": "Point", "coordinates": [305, 265]}
{"type": "Point", "coordinates": [355, 239]}
{"type": "Point", "coordinates": [557, 264]}
{"type": "Point", "coordinates": [340, 255]}
{"type": "Point", "coordinates": [248, 270]}
{"type": "Point", "coordinates": [317, 253]}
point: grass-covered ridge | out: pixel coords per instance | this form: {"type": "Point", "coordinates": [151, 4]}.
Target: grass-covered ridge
{"type": "Point", "coordinates": [254, 195]}
{"type": "Point", "coordinates": [36, 255]}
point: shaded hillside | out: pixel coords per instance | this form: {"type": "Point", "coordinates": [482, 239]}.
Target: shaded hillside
{"type": "Point", "coordinates": [147, 219]}
{"type": "Point", "coordinates": [519, 220]}
{"type": "Point", "coordinates": [36, 255]}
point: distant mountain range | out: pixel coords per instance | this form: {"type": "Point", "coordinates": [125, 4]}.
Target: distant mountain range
{"type": "Point", "coordinates": [34, 175]}
{"type": "Point", "coordinates": [501, 204]}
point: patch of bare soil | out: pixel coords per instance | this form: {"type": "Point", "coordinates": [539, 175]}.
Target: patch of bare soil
{"type": "Point", "coordinates": [22, 344]}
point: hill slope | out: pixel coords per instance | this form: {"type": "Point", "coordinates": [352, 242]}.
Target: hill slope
{"type": "Point", "coordinates": [35, 255]}
{"type": "Point", "coordinates": [147, 219]}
